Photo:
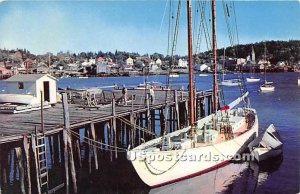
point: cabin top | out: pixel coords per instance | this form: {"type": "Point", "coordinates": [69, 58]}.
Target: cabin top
{"type": "Point", "coordinates": [28, 77]}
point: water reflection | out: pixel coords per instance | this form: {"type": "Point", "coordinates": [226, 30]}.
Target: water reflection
{"type": "Point", "coordinates": [242, 177]}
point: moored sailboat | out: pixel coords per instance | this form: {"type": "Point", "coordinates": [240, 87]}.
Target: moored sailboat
{"type": "Point", "coordinates": [228, 82]}
{"type": "Point", "coordinates": [203, 146]}
{"type": "Point", "coordinates": [252, 78]}
{"type": "Point", "coordinates": [267, 86]}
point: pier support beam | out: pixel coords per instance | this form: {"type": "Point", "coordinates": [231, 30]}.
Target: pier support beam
{"type": "Point", "coordinates": [19, 161]}
{"type": "Point", "coordinates": [94, 146]}
{"type": "Point", "coordinates": [177, 110]}
{"type": "Point", "coordinates": [68, 146]}
{"type": "Point", "coordinates": [27, 160]}
{"type": "Point", "coordinates": [114, 125]}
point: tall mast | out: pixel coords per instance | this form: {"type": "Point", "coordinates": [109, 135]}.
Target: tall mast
{"type": "Point", "coordinates": [214, 47]}
{"type": "Point", "coordinates": [265, 62]}
{"type": "Point", "coordinates": [190, 58]}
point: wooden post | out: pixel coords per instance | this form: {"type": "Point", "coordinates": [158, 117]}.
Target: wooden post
{"type": "Point", "coordinates": [142, 134]}
{"type": "Point", "coordinates": [26, 150]}
{"type": "Point", "coordinates": [33, 146]}
{"type": "Point", "coordinates": [94, 146]}
{"type": "Point", "coordinates": [186, 113]}
{"type": "Point", "coordinates": [3, 163]}
{"type": "Point", "coordinates": [162, 121]}
{"type": "Point", "coordinates": [89, 151]}
{"type": "Point", "coordinates": [51, 146]}
{"type": "Point", "coordinates": [148, 113]}
{"type": "Point", "coordinates": [132, 127]}
{"type": "Point", "coordinates": [170, 119]}
{"type": "Point", "coordinates": [109, 140]}
{"type": "Point", "coordinates": [114, 125]}
{"type": "Point", "coordinates": [68, 146]}
{"type": "Point", "coordinates": [19, 157]}
{"type": "Point", "coordinates": [177, 109]}
{"type": "Point", "coordinates": [153, 121]}
{"type": "Point", "coordinates": [208, 105]}
{"type": "Point", "coordinates": [78, 151]}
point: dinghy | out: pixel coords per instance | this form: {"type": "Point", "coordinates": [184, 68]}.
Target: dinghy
{"type": "Point", "coordinates": [266, 145]}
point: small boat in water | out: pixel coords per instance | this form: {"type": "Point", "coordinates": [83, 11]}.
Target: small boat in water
{"type": "Point", "coordinates": [230, 82]}
{"type": "Point", "coordinates": [298, 80]}
{"type": "Point", "coordinates": [173, 75]}
{"type": "Point", "coordinates": [267, 87]}
{"type": "Point", "coordinates": [252, 79]}
{"type": "Point", "coordinates": [266, 145]}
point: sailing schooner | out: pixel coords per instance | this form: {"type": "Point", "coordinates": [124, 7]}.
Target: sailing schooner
{"type": "Point", "coordinates": [206, 144]}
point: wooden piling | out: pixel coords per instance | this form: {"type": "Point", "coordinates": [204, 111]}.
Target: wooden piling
{"type": "Point", "coordinates": [114, 125]}
{"type": "Point", "coordinates": [186, 113]}
{"type": "Point", "coordinates": [109, 139]}
{"type": "Point", "coordinates": [4, 162]}
{"type": "Point", "coordinates": [209, 105]}
{"type": "Point", "coordinates": [68, 146]}
{"type": "Point", "coordinates": [88, 136]}
{"type": "Point", "coordinates": [19, 161]}
{"type": "Point", "coordinates": [177, 109]}
{"type": "Point", "coordinates": [51, 146]}
{"type": "Point", "coordinates": [94, 146]}
{"type": "Point", "coordinates": [27, 162]}
{"type": "Point", "coordinates": [78, 151]}
{"type": "Point", "coordinates": [132, 130]}
{"type": "Point", "coordinates": [162, 121]}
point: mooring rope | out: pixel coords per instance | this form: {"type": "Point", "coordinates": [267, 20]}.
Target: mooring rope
{"type": "Point", "coordinates": [95, 143]}
{"type": "Point", "coordinates": [136, 126]}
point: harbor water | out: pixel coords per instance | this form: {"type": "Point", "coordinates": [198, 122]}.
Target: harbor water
{"type": "Point", "coordinates": [278, 175]}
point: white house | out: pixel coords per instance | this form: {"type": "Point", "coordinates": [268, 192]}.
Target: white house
{"type": "Point", "coordinates": [129, 61]}
{"type": "Point", "coordinates": [102, 68]}
{"type": "Point", "coordinates": [154, 67]}
{"type": "Point", "coordinates": [158, 62]}
{"type": "Point", "coordinates": [33, 84]}
{"type": "Point", "coordinates": [240, 61]}
{"type": "Point", "coordinates": [182, 63]}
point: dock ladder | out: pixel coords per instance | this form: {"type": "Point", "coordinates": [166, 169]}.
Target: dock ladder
{"type": "Point", "coordinates": [42, 161]}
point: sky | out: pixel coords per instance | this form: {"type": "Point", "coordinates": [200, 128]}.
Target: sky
{"type": "Point", "coordinates": [132, 25]}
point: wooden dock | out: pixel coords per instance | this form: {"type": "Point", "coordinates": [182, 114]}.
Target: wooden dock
{"type": "Point", "coordinates": [98, 123]}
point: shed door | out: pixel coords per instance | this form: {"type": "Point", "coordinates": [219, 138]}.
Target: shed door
{"type": "Point", "coordinates": [46, 91]}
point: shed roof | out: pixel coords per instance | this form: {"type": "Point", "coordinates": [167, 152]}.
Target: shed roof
{"type": "Point", "coordinates": [28, 77]}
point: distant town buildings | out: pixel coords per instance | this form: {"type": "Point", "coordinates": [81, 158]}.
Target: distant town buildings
{"type": "Point", "coordinates": [21, 61]}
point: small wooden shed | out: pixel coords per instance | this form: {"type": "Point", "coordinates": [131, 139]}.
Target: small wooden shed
{"type": "Point", "coordinates": [33, 84]}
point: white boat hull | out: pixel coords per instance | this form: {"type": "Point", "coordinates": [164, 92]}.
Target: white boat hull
{"type": "Point", "coordinates": [228, 83]}
{"type": "Point", "coordinates": [174, 75]}
{"type": "Point", "coordinates": [267, 89]}
{"type": "Point", "coordinates": [261, 154]}
{"type": "Point", "coordinates": [18, 99]}
{"type": "Point", "coordinates": [298, 81]}
{"type": "Point", "coordinates": [158, 168]}
{"type": "Point", "coordinates": [251, 80]}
